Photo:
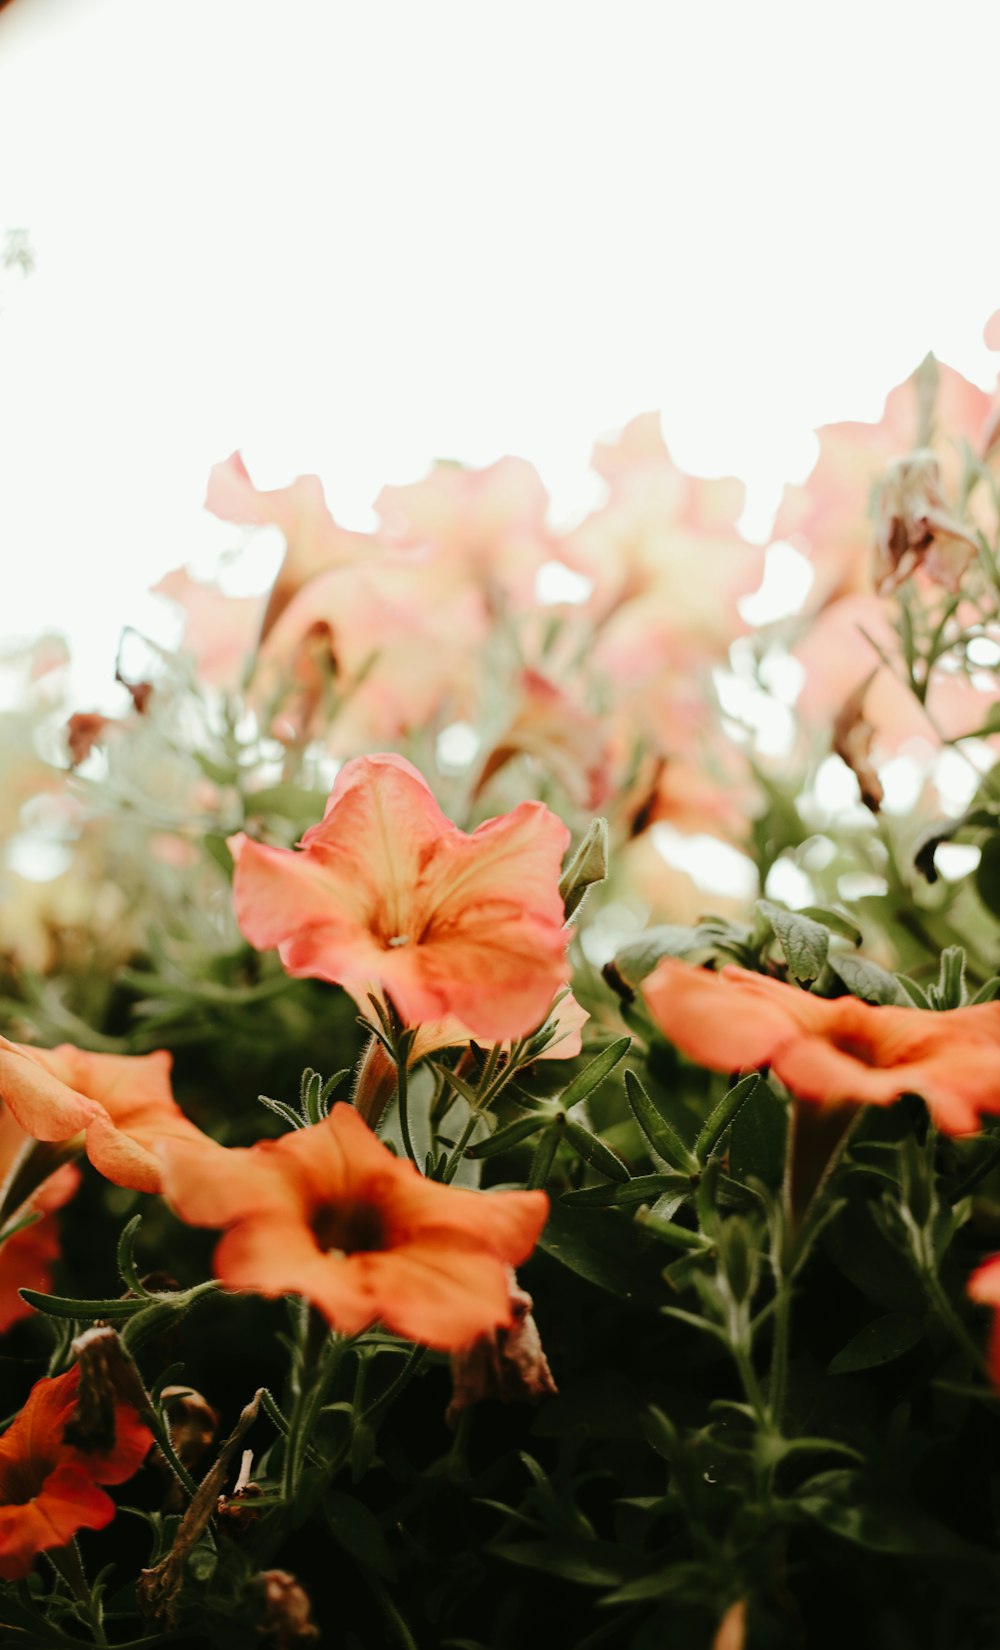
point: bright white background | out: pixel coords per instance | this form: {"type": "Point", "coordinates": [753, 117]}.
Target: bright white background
{"type": "Point", "coordinates": [354, 235]}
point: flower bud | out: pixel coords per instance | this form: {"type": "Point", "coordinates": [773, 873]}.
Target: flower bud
{"type": "Point", "coordinates": [589, 865]}
{"type": "Point", "coordinates": [287, 1611]}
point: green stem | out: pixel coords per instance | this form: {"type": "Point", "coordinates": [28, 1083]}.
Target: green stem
{"type": "Point", "coordinates": [403, 1101]}
{"type": "Point", "coordinates": [982, 1169]}
{"type": "Point", "coordinates": [950, 1318]}
{"type": "Point", "coordinates": [309, 1399]}
{"type": "Point", "coordinates": [67, 1562]}
{"type": "Point", "coordinates": [779, 1354]}
{"type": "Point", "coordinates": [395, 1387]}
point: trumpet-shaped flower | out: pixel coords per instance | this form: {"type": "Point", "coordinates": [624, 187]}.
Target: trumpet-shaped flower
{"type": "Point", "coordinates": [833, 1052]}
{"type": "Point", "coordinates": [119, 1105]}
{"type": "Point", "coordinates": [48, 1488]}
{"type": "Point", "coordinates": [386, 895]}
{"type": "Point", "coordinates": [329, 1213]}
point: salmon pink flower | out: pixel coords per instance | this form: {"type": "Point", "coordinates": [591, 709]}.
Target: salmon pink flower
{"type": "Point", "coordinates": [838, 1051]}
{"type": "Point", "coordinates": [329, 1213]}
{"type": "Point", "coordinates": [388, 896]}
{"type": "Point", "coordinates": [48, 1488]}
{"type": "Point", "coordinates": [118, 1104]}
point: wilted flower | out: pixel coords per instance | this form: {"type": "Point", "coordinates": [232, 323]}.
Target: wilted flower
{"type": "Point", "coordinates": [48, 1488]}
{"type": "Point", "coordinates": [388, 896]}
{"type": "Point", "coordinates": [508, 1364]}
{"type": "Point", "coordinates": [916, 527]}
{"type": "Point", "coordinates": [329, 1213]}
{"type": "Point", "coordinates": [838, 1051]}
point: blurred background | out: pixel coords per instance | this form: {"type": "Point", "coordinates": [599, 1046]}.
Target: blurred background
{"type": "Point", "coordinates": [353, 239]}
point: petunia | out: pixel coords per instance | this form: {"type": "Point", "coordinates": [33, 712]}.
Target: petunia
{"type": "Point", "coordinates": [119, 1105]}
{"type": "Point", "coordinates": [330, 1214]}
{"type": "Point", "coordinates": [48, 1488]}
{"type": "Point", "coordinates": [386, 895]}
{"type": "Point", "coordinates": [33, 1181]}
{"type": "Point", "coordinates": [984, 1288]}
{"type": "Point", "coordinates": [832, 1051]}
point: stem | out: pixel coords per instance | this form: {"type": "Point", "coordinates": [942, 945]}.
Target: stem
{"type": "Point", "coordinates": [67, 1562]}
{"type": "Point", "coordinates": [403, 1102]}
{"type": "Point", "coordinates": [395, 1387]}
{"type": "Point", "coordinates": [308, 1402]}
{"type": "Point", "coordinates": [982, 1169]}
{"type": "Point", "coordinates": [950, 1318]}
{"type": "Point", "coordinates": [779, 1353]}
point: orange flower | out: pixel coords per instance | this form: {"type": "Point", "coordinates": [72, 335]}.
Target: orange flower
{"type": "Point", "coordinates": [120, 1104]}
{"type": "Point", "coordinates": [835, 1052]}
{"type": "Point", "coordinates": [27, 1188]}
{"type": "Point", "coordinates": [330, 1214]}
{"type": "Point", "coordinates": [49, 1489]}
{"type": "Point", "coordinates": [389, 896]}
{"type": "Point", "coordinates": [984, 1287]}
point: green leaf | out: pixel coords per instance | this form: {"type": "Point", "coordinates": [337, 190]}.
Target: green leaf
{"type": "Point", "coordinates": [61, 1306]}
{"type": "Point", "coordinates": [609, 1252]}
{"type": "Point", "coordinates": [588, 1563]}
{"type": "Point", "coordinates": [505, 1139]}
{"type": "Point", "coordinates": [594, 1074]}
{"type": "Point", "coordinates": [358, 1531]}
{"type": "Point", "coordinates": [664, 1139]}
{"type": "Point", "coordinates": [879, 1343]}
{"type": "Point", "coordinates": [594, 1151]}
{"type": "Point", "coordinates": [804, 942]}
{"type": "Point", "coordinates": [633, 962]}
{"type": "Point", "coordinates": [588, 866]}
{"type": "Point", "coordinates": [724, 1113]}
{"type": "Point", "coordinates": [838, 922]}
{"type": "Point", "coordinates": [846, 1505]}
{"type": "Point", "coordinates": [642, 1188]}
{"type": "Point", "coordinates": [759, 1138]}
{"type": "Point", "coordinates": [987, 875]}
{"type": "Point", "coordinates": [867, 980]}
{"type": "Point", "coordinates": [914, 991]}
{"type": "Point", "coordinates": [987, 993]}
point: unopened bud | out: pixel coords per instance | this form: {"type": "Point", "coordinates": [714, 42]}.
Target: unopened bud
{"type": "Point", "coordinates": [589, 865]}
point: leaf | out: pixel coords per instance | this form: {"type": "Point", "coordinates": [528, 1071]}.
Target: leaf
{"type": "Point", "coordinates": [845, 1504]}
{"type": "Point", "coordinates": [358, 1531]}
{"type": "Point", "coordinates": [987, 876]}
{"type": "Point", "coordinates": [592, 1075]}
{"type": "Point", "coordinates": [759, 1138]}
{"type": "Point", "coordinates": [633, 962]}
{"type": "Point", "coordinates": [804, 942]}
{"type": "Point", "coordinates": [505, 1139]}
{"type": "Point", "coordinates": [664, 1139]}
{"type": "Point", "coordinates": [867, 980]}
{"type": "Point", "coordinates": [589, 1564]}
{"type": "Point", "coordinates": [838, 922]}
{"type": "Point", "coordinates": [724, 1113]}
{"type": "Point", "coordinates": [594, 1151]}
{"type": "Point", "coordinates": [878, 1343]}
{"type": "Point", "coordinates": [608, 1251]}
{"type": "Point", "coordinates": [642, 1188]}
{"type": "Point", "coordinates": [914, 991]}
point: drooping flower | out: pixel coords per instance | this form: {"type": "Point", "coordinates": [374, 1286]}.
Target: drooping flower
{"type": "Point", "coordinates": [329, 1213]}
{"type": "Point", "coordinates": [386, 895]}
{"type": "Point", "coordinates": [48, 1488]}
{"type": "Point", "coordinates": [118, 1104]}
{"type": "Point", "coordinates": [838, 1051]}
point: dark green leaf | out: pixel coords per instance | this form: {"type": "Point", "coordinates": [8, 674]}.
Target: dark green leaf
{"type": "Point", "coordinates": [595, 1152]}
{"type": "Point", "coordinates": [725, 1112]}
{"type": "Point", "coordinates": [878, 1343]}
{"type": "Point", "coordinates": [805, 943]}
{"type": "Point", "coordinates": [642, 1188]}
{"type": "Point", "coordinates": [505, 1139]}
{"type": "Point", "coordinates": [358, 1531]}
{"type": "Point", "coordinates": [867, 980]}
{"type": "Point", "coordinates": [759, 1138]}
{"type": "Point", "coordinates": [633, 962]}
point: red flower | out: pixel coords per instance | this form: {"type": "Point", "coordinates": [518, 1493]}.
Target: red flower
{"type": "Point", "coordinates": [833, 1051]}
{"type": "Point", "coordinates": [387, 895]}
{"type": "Point", "coordinates": [330, 1214]}
{"type": "Point", "coordinates": [48, 1488]}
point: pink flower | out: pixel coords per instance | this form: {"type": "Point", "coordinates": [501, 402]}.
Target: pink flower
{"type": "Point", "coordinates": [388, 896]}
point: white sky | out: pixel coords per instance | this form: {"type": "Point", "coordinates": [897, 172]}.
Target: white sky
{"type": "Point", "coordinates": [352, 237]}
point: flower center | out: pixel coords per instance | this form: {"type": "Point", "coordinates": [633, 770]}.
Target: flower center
{"type": "Point", "coordinates": [351, 1227]}
{"type": "Point", "coordinates": [859, 1048]}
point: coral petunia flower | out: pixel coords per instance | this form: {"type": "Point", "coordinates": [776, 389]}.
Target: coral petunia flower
{"type": "Point", "coordinates": [834, 1052]}
{"type": "Point", "coordinates": [387, 895]}
{"type": "Point", "coordinates": [48, 1488]}
{"type": "Point", "coordinates": [984, 1288]}
{"type": "Point", "coordinates": [119, 1104]}
{"type": "Point", "coordinates": [28, 1186]}
{"type": "Point", "coordinates": [329, 1213]}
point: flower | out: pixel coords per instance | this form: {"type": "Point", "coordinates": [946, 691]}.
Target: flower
{"type": "Point", "coordinates": [119, 1104]}
{"type": "Point", "coordinates": [28, 1186]}
{"type": "Point", "coordinates": [48, 1488]}
{"type": "Point", "coordinates": [387, 895]}
{"type": "Point", "coordinates": [984, 1287]}
{"type": "Point", "coordinates": [834, 1052]}
{"type": "Point", "coordinates": [329, 1213]}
